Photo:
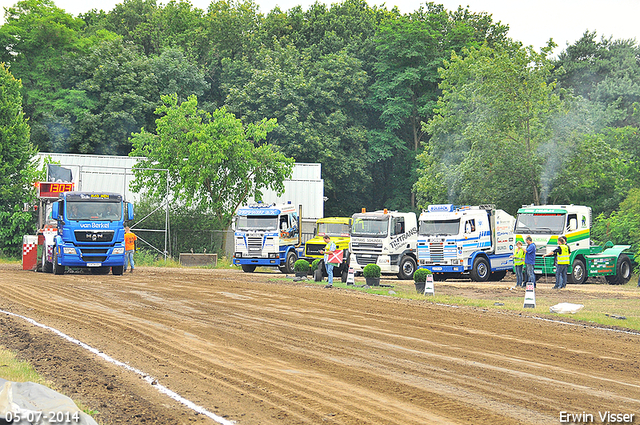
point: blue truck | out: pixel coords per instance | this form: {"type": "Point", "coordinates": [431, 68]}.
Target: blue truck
{"type": "Point", "coordinates": [90, 232]}
{"type": "Point", "coordinates": [267, 235]}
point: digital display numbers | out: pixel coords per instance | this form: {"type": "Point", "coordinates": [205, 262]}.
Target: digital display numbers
{"type": "Point", "coordinates": [52, 190]}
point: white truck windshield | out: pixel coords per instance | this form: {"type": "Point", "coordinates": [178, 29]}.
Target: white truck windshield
{"type": "Point", "coordinates": [370, 227]}
{"type": "Point", "coordinates": [540, 223]}
{"type": "Point", "coordinates": [257, 222]}
{"type": "Point", "coordinates": [439, 227]}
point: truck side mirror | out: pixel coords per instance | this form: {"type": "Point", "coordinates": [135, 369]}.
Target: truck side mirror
{"type": "Point", "coordinates": [54, 210]}
{"type": "Point", "coordinates": [129, 211]}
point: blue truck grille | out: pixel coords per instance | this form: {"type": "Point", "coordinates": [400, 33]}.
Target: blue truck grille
{"type": "Point", "coordinates": [93, 235]}
{"type": "Point", "coordinates": [93, 255]}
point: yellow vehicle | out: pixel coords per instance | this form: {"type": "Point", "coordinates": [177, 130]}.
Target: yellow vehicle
{"type": "Point", "coordinates": [338, 229]}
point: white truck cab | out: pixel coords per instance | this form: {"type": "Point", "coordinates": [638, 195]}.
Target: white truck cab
{"type": "Point", "coordinates": [386, 238]}
{"type": "Point", "coordinates": [477, 240]}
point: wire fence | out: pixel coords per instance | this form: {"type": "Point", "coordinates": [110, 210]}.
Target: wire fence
{"type": "Point", "coordinates": [219, 242]}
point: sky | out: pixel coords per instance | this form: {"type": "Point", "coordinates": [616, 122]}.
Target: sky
{"type": "Point", "coordinates": [531, 22]}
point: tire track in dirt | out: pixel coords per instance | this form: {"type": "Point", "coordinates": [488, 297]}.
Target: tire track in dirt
{"type": "Point", "coordinates": [285, 353]}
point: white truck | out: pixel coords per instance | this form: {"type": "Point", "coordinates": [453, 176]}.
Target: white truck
{"type": "Point", "coordinates": [460, 240]}
{"type": "Point", "coordinates": [385, 238]}
{"type": "Point", "coordinates": [267, 235]}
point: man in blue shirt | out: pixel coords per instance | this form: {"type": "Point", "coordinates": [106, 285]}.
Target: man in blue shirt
{"type": "Point", "coordinates": [530, 260]}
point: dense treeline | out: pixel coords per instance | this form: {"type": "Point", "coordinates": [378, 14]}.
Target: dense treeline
{"type": "Point", "coordinates": [401, 109]}
{"type": "Point", "coordinates": [348, 84]}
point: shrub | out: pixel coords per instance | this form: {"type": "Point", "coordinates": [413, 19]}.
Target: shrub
{"type": "Point", "coordinates": [371, 270]}
{"type": "Point", "coordinates": [420, 275]}
{"type": "Point", "coordinates": [301, 266]}
{"type": "Point", "coordinates": [316, 264]}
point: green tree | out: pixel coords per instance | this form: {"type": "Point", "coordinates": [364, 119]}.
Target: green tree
{"type": "Point", "coordinates": [600, 171]}
{"type": "Point", "coordinates": [214, 163]}
{"type": "Point", "coordinates": [409, 51]}
{"type": "Point", "coordinates": [496, 122]}
{"type": "Point", "coordinates": [38, 39]}
{"type": "Point", "coordinates": [319, 105]}
{"type": "Point", "coordinates": [17, 169]}
{"type": "Point", "coordinates": [606, 73]}
{"type": "Point", "coordinates": [114, 92]}
{"type": "Point", "coordinates": [623, 225]}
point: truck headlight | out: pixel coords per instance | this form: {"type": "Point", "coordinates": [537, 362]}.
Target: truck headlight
{"type": "Point", "coordinates": [69, 250]}
{"type": "Point", "coordinates": [118, 251]}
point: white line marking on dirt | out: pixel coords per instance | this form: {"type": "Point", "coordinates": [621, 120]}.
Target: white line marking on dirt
{"type": "Point", "coordinates": [584, 325]}
{"type": "Point", "coordinates": [161, 388]}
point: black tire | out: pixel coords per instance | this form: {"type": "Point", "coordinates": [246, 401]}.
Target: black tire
{"type": "Point", "coordinates": [47, 266]}
{"type": "Point", "coordinates": [623, 271]}
{"type": "Point", "coordinates": [116, 270]}
{"type": "Point", "coordinates": [248, 268]}
{"type": "Point", "coordinates": [56, 269]}
{"type": "Point", "coordinates": [498, 276]}
{"type": "Point", "coordinates": [407, 268]}
{"type": "Point", "coordinates": [344, 275]}
{"type": "Point", "coordinates": [578, 272]}
{"type": "Point", "coordinates": [292, 257]}
{"type": "Point", "coordinates": [100, 270]}
{"type": "Point", "coordinates": [480, 271]}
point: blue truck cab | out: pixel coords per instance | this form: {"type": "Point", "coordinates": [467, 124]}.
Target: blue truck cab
{"type": "Point", "coordinates": [90, 231]}
{"type": "Point", "coordinates": [267, 235]}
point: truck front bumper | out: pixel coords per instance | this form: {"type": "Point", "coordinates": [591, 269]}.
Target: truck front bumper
{"type": "Point", "coordinates": [444, 269]}
{"type": "Point", "coordinates": [257, 261]}
{"type": "Point", "coordinates": [70, 260]}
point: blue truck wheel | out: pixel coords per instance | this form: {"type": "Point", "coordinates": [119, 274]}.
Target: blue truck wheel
{"type": "Point", "coordinates": [57, 269]}
{"type": "Point", "coordinates": [481, 270]}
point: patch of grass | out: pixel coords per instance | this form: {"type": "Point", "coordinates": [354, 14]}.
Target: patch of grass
{"type": "Point", "coordinates": [602, 310]}
{"type": "Point", "coordinates": [16, 370]}
{"type": "Point", "coordinates": [10, 260]}
{"type": "Point", "coordinates": [154, 259]}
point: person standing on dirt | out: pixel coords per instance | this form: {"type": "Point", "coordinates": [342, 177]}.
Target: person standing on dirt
{"type": "Point", "coordinates": [130, 239]}
{"type": "Point", "coordinates": [562, 254]}
{"type": "Point", "coordinates": [530, 260]}
{"type": "Point", "coordinates": [518, 263]}
{"type": "Point", "coordinates": [328, 249]}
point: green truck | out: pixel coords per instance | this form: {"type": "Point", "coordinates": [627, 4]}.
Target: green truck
{"type": "Point", "coordinates": [544, 223]}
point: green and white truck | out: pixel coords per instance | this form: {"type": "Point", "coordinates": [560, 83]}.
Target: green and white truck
{"type": "Point", "coordinates": [544, 223]}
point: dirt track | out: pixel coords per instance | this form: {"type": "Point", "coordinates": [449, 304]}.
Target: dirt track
{"type": "Point", "coordinates": [261, 350]}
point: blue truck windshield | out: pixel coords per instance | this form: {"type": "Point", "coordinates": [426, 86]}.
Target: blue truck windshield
{"type": "Point", "coordinates": [94, 211]}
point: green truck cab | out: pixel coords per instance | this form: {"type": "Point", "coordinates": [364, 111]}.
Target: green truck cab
{"type": "Point", "coordinates": [544, 223]}
{"type": "Point", "coordinates": [338, 229]}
